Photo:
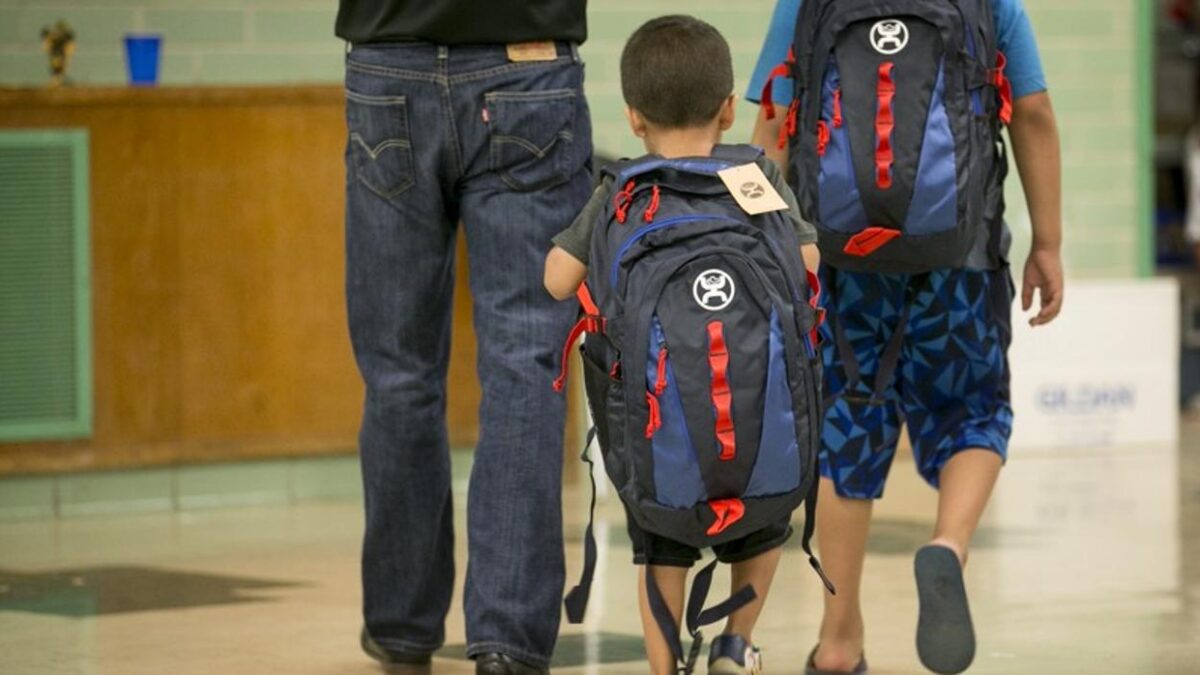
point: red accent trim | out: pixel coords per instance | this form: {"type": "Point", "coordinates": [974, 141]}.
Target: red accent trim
{"type": "Point", "coordinates": [866, 242]}
{"type": "Point", "coordinates": [885, 91]}
{"type": "Point", "coordinates": [814, 301]}
{"type": "Point", "coordinates": [822, 137]}
{"type": "Point", "coordinates": [1003, 88]}
{"type": "Point", "coordinates": [722, 397]}
{"type": "Point", "coordinates": [727, 511]}
{"type": "Point", "coordinates": [837, 108]}
{"type": "Point", "coordinates": [766, 100]}
{"type": "Point", "coordinates": [584, 295]}
{"type": "Point", "coordinates": [622, 200]}
{"type": "Point", "coordinates": [590, 322]}
{"type": "Point", "coordinates": [614, 373]}
{"type": "Point", "coordinates": [660, 375]}
{"type": "Point", "coordinates": [654, 421]}
{"type": "Point", "coordinates": [652, 209]}
{"type": "Point", "coordinates": [788, 128]}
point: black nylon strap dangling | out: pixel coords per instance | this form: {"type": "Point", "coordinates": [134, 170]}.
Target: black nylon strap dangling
{"type": "Point", "coordinates": [810, 524]}
{"type": "Point", "coordinates": [695, 614]}
{"type": "Point", "coordinates": [889, 360]}
{"type": "Point", "coordinates": [576, 600]}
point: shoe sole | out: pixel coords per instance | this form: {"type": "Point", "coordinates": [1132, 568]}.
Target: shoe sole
{"type": "Point", "coordinates": [945, 636]}
{"type": "Point", "coordinates": [726, 666]}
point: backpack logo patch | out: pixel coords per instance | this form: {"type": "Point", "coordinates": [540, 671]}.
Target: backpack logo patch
{"type": "Point", "coordinates": [713, 289]}
{"type": "Point", "coordinates": [889, 36]}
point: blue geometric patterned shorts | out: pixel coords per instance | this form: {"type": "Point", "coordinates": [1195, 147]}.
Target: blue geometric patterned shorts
{"type": "Point", "coordinates": [951, 384]}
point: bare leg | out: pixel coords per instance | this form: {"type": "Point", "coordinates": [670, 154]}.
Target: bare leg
{"type": "Point", "coordinates": [671, 582]}
{"type": "Point", "coordinates": [842, 526]}
{"type": "Point", "coordinates": [966, 483]}
{"type": "Point", "coordinates": [758, 571]}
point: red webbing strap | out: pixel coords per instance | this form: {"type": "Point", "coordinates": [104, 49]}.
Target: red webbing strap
{"type": "Point", "coordinates": [869, 240]}
{"type": "Point", "coordinates": [591, 322]}
{"type": "Point", "coordinates": [727, 511]}
{"type": "Point", "coordinates": [1003, 87]}
{"type": "Point", "coordinates": [788, 128]}
{"type": "Point", "coordinates": [822, 137]}
{"type": "Point", "coordinates": [885, 91]}
{"type": "Point", "coordinates": [648, 215]}
{"type": "Point", "coordinates": [722, 396]}
{"type": "Point", "coordinates": [585, 301]}
{"type": "Point", "coordinates": [814, 301]}
{"type": "Point", "coordinates": [660, 374]}
{"type": "Point", "coordinates": [622, 200]}
{"type": "Point", "coordinates": [654, 421]}
{"type": "Point", "coordinates": [837, 108]}
{"type": "Point", "coordinates": [766, 100]}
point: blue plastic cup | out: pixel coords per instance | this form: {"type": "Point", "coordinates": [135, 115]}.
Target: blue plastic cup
{"type": "Point", "coordinates": [141, 58]}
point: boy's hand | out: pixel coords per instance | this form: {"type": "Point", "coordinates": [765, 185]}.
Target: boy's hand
{"type": "Point", "coordinates": [1043, 272]}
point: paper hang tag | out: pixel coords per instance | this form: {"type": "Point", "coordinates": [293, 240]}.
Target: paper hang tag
{"type": "Point", "coordinates": [532, 51]}
{"type": "Point", "coordinates": [751, 189]}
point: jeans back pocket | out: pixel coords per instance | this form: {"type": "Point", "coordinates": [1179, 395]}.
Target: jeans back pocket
{"type": "Point", "coordinates": [532, 136]}
{"type": "Point", "coordinates": [380, 150]}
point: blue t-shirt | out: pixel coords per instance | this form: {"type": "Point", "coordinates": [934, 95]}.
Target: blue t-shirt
{"type": "Point", "coordinates": [1014, 36]}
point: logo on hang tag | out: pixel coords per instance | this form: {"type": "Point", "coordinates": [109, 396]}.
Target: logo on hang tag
{"type": "Point", "coordinates": [751, 189]}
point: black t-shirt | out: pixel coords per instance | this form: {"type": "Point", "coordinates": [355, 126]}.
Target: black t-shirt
{"type": "Point", "coordinates": [462, 21]}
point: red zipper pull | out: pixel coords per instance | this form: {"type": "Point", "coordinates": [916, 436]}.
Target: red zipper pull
{"type": "Point", "coordinates": [660, 380]}
{"type": "Point", "coordinates": [652, 209]}
{"type": "Point", "coordinates": [654, 422]}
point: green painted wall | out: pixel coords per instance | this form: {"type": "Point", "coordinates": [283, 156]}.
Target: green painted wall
{"type": "Point", "coordinates": [1091, 49]}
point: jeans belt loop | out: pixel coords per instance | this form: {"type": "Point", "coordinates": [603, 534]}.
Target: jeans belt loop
{"type": "Point", "coordinates": [575, 52]}
{"type": "Point", "coordinates": [443, 52]}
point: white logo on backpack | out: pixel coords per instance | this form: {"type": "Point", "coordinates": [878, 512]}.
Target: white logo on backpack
{"type": "Point", "coordinates": [889, 36]}
{"type": "Point", "coordinates": [713, 289]}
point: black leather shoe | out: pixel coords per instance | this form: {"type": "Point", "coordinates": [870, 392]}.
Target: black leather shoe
{"type": "Point", "coordinates": [394, 662]}
{"type": "Point", "coordinates": [503, 664]}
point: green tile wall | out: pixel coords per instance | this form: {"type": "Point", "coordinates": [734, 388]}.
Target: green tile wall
{"type": "Point", "coordinates": [1090, 48]}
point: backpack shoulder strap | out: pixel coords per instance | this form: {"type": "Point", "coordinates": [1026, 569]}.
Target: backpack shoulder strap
{"type": "Point", "coordinates": [628, 169]}
{"type": "Point", "coordinates": [738, 154]}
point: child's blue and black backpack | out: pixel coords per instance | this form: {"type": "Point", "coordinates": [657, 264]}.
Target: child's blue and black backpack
{"type": "Point", "coordinates": [894, 130]}
{"type": "Point", "coordinates": [700, 362]}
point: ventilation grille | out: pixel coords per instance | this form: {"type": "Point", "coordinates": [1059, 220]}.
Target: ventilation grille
{"type": "Point", "coordinates": [45, 306]}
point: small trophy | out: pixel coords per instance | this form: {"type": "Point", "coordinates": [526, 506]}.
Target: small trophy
{"type": "Point", "coordinates": [59, 42]}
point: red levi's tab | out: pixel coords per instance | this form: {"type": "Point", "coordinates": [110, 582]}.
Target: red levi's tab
{"type": "Point", "coordinates": [869, 240]}
{"type": "Point", "coordinates": [728, 512]}
{"type": "Point", "coordinates": [885, 91]}
{"type": "Point", "coordinates": [722, 396]}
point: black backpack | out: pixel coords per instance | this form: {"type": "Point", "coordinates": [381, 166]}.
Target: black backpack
{"type": "Point", "coordinates": [894, 130]}
{"type": "Point", "coordinates": [700, 364]}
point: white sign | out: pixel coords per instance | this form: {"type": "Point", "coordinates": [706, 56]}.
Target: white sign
{"type": "Point", "coordinates": [1105, 373]}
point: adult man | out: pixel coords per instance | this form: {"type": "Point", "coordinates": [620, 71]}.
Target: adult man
{"type": "Point", "coordinates": [471, 112]}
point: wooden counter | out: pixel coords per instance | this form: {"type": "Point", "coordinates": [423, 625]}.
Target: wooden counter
{"type": "Point", "coordinates": [219, 326]}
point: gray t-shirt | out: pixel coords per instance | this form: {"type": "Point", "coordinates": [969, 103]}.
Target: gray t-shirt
{"type": "Point", "coordinates": [577, 239]}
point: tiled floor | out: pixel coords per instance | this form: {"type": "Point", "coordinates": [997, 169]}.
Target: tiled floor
{"type": "Point", "coordinates": [1087, 562]}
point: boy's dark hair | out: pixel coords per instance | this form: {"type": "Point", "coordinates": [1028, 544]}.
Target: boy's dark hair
{"type": "Point", "coordinates": [676, 71]}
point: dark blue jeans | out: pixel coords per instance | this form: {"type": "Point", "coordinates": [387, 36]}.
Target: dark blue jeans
{"type": "Point", "coordinates": [439, 135]}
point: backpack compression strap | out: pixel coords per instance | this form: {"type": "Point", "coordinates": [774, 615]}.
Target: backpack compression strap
{"type": "Point", "coordinates": [590, 322]}
{"type": "Point", "coordinates": [696, 617]}
{"type": "Point", "coordinates": [577, 599]}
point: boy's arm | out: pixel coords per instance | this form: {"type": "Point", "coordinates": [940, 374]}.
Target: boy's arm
{"type": "Point", "coordinates": [1034, 134]}
{"type": "Point", "coordinates": [766, 136]}
{"type": "Point", "coordinates": [564, 273]}
{"type": "Point", "coordinates": [812, 257]}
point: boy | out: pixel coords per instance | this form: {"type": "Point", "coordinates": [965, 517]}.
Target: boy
{"type": "Point", "coordinates": [959, 426]}
{"type": "Point", "coordinates": [677, 79]}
